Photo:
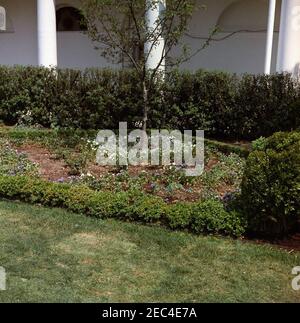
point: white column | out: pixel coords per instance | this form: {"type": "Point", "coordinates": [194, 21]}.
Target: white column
{"type": "Point", "coordinates": [289, 38]}
{"type": "Point", "coordinates": [46, 31]}
{"type": "Point", "coordinates": [154, 53]}
{"type": "Point", "coordinates": [270, 36]}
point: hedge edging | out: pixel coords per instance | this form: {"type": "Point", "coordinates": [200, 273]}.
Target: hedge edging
{"type": "Point", "coordinates": [202, 217]}
{"type": "Point", "coordinates": [226, 148]}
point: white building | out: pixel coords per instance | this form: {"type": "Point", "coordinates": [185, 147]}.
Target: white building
{"type": "Point", "coordinates": [255, 35]}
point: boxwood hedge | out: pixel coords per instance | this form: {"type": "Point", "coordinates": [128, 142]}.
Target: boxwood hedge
{"type": "Point", "coordinates": [202, 217]}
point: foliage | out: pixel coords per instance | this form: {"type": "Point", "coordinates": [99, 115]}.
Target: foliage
{"type": "Point", "coordinates": [14, 163]}
{"type": "Point", "coordinates": [267, 103]}
{"type": "Point", "coordinates": [225, 174]}
{"type": "Point", "coordinates": [224, 105]}
{"type": "Point", "coordinates": [77, 149]}
{"type": "Point", "coordinates": [228, 170]}
{"type": "Point", "coordinates": [227, 148]}
{"type": "Point", "coordinates": [125, 34]}
{"type": "Point", "coordinates": [260, 144]}
{"type": "Point", "coordinates": [211, 217]}
{"type": "Point", "coordinates": [271, 185]}
{"type": "Point", "coordinates": [119, 41]}
{"type": "Point", "coordinates": [132, 205]}
{"type": "Point", "coordinates": [179, 216]}
{"type": "Point", "coordinates": [93, 99]}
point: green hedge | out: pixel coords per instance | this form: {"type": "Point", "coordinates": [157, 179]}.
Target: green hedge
{"type": "Point", "coordinates": [227, 148]}
{"type": "Point", "coordinates": [271, 185]}
{"type": "Point", "coordinates": [203, 217]}
{"type": "Point", "coordinates": [224, 105]}
{"type": "Point", "coordinates": [93, 99]}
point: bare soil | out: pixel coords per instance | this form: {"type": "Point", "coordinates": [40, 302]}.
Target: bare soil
{"type": "Point", "coordinates": [50, 168]}
{"type": "Point", "coordinates": [290, 244]}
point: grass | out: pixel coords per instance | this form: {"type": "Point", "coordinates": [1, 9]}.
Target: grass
{"type": "Point", "coordinates": [54, 256]}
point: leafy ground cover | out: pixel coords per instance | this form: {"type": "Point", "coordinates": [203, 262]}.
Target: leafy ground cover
{"type": "Point", "coordinates": [70, 157]}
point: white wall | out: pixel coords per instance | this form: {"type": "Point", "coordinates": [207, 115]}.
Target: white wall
{"type": "Point", "coordinates": [243, 52]}
{"type": "Point", "coordinates": [75, 50]}
{"type": "Point", "coordinates": [19, 47]}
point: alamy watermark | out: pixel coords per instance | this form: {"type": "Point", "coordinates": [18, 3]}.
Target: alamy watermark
{"type": "Point", "coordinates": [157, 148]}
{"type": "Point", "coordinates": [2, 279]}
{"type": "Point", "coordinates": [296, 280]}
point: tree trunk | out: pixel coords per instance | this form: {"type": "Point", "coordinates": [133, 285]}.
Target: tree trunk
{"type": "Point", "coordinates": [146, 105]}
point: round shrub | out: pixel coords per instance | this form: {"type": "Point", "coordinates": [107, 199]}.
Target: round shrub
{"type": "Point", "coordinates": [271, 185]}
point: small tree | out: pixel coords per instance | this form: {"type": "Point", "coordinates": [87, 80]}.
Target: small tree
{"type": "Point", "coordinates": [140, 34]}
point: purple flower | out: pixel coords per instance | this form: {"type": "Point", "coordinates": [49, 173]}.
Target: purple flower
{"type": "Point", "coordinates": [61, 180]}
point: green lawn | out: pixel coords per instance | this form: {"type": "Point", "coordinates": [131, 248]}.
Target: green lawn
{"type": "Point", "coordinates": [55, 256]}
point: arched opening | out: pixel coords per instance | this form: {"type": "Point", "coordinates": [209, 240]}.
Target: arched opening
{"type": "Point", "coordinates": [74, 47]}
{"type": "Point", "coordinates": [6, 25]}
{"type": "Point", "coordinates": [69, 19]}
{"type": "Point", "coordinates": [247, 16]}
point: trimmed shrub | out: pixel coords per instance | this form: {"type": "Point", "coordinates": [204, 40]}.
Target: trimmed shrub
{"type": "Point", "coordinates": [211, 217]}
{"type": "Point", "coordinates": [200, 100]}
{"type": "Point", "coordinates": [92, 99]}
{"type": "Point", "coordinates": [206, 217]}
{"type": "Point", "coordinates": [271, 185]}
{"type": "Point", "coordinates": [224, 105]}
{"type": "Point", "coordinates": [26, 95]}
{"type": "Point", "coordinates": [145, 208]}
{"type": "Point", "coordinates": [179, 216]}
{"type": "Point", "coordinates": [264, 105]}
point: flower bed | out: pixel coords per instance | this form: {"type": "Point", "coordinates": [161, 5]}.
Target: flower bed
{"type": "Point", "coordinates": [60, 171]}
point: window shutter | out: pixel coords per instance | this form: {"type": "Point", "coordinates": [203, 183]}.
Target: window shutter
{"type": "Point", "coordinates": [2, 19]}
